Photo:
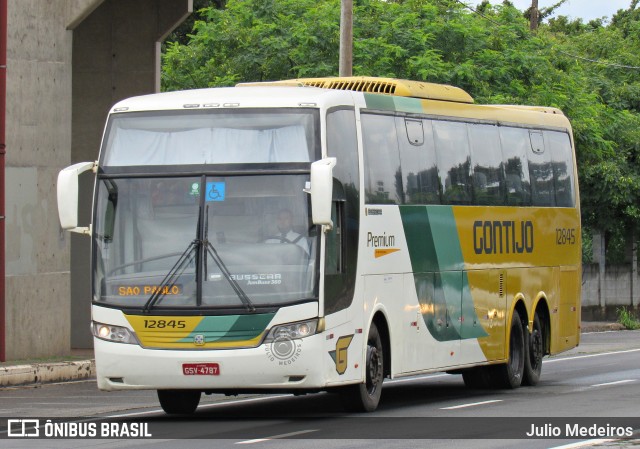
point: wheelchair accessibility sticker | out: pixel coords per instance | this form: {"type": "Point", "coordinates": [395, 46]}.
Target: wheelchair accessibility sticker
{"type": "Point", "coordinates": [215, 191]}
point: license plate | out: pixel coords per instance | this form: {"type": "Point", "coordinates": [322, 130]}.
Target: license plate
{"type": "Point", "coordinates": [201, 369]}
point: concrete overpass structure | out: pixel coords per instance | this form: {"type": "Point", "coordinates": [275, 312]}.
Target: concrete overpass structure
{"type": "Point", "coordinates": [67, 63]}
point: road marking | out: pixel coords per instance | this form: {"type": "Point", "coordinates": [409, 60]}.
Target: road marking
{"type": "Point", "coordinates": [617, 382]}
{"type": "Point", "coordinates": [277, 437]}
{"type": "Point", "coordinates": [473, 404]}
{"type": "Point", "coordinates": [583, 444]}
{"type": "Point", "coordinates": [564, 359]}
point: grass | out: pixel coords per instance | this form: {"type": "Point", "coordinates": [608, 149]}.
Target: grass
{"type": "Point", "coordinates": [627, 319]}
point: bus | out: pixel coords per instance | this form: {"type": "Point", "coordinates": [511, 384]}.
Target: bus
{"type": "Point", "coordinates": [325, 234]}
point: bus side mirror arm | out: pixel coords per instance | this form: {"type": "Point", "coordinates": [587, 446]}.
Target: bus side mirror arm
{"type": "Point", "coordinates": [67, 193]}
{"type": "Point", "coordinates": [321, 191]}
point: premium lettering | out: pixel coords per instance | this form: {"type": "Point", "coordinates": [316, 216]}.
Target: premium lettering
{"type": "Point", "coordinates": [380, 241]}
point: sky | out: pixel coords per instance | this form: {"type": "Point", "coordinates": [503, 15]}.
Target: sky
{"type": "Point", "coordinates": [583, 9]}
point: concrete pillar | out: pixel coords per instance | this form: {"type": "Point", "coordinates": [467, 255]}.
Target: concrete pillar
{"type": "Point", "coordinates": [116, 54]}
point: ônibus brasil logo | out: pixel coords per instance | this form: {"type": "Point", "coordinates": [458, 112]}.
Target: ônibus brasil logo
{"type": "Point", "coordinates": [283, 349]}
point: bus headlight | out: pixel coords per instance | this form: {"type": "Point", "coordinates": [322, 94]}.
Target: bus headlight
{"type": "Point", "coordinates": [117, 334]}
{"type": "Point", "coordinates": [293, 331]}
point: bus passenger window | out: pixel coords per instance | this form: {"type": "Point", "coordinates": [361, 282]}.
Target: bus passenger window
{"type": "Point", "coordinates": [383, 179]}
{"type": "Point", "coordinates": [454, 161]}
{"type": "Point", "coordinates": [486, 157]}
{"type": "Point", "coordinates": [418, 160]}
{"type": "Point", "coordinates": [515, 145]}
{"type": "Point", "coordinates": [540, 172]}
{"type": "Point", "coordinates": [562, 160]}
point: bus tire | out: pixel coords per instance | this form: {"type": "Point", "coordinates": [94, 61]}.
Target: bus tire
{"type": "Point", "coordinates": [365, 397]}
{"type": "Point", "coordinates": [179, 402]}
{"type": "Point", "coordinates": [477, 378]}
{"type": "Point", "coordinates": [534, 354]}
{"type": "Point", "coordinates": [509, 375]}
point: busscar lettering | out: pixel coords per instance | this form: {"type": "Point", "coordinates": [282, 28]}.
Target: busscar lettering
{"type": "Point", "coordinates": [503, 237]}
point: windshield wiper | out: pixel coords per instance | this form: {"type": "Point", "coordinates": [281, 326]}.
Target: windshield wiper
{"type": "Point", "coordinates": [170, 279]}
{"type": "Point", "coordinates": [225, 271]}
{"type": "Point", "coordinates": [178, 268]}
{"type": "Point", "coordinates": [185, 259]}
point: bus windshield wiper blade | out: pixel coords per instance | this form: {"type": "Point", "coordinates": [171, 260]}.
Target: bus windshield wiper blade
{"type": "Point", "coordinates": [170, 279]}
{"type": "Point", "coordinates": [225, 271]}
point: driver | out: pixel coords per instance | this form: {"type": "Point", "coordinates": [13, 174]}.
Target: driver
{"type": "Point", "coordinates": [284, 222]}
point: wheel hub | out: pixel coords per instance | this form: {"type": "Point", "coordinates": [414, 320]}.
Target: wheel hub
{"type": "Point", "coordinates": [536, 347]}
{"type": "Point", "coordinates": [374, 369]}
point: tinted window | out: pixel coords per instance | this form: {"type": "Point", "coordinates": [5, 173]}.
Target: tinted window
{"type": "Point", "coordinates": [515, 147]}
{"type": "Point", "coordinates": [342, 241]}
{"type": "Point", "coordinates": [383, 180]}
{"type": "Point", "coordinates": [559, 145]}
{"type": "Point", "coordinates": [454, 161]}
{"type": "Point", "coordinates": [540, 171]}
{"type": "Point", "coordinates": [486, 157]}
{"type": "Point", "coordinates": [419, 170]}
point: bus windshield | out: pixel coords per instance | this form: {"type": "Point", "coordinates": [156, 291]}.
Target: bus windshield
{"type": "Point", "coordinates": [248, 243]}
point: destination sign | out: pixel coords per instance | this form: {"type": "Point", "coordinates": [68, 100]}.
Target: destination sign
{"type": "Point", "coordinates": [147, 290]}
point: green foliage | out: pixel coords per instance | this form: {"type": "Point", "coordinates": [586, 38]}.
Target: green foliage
{"type": "Point", "coordinates": [587, 70]}
{"type": "Point", "coordinates": [627, 319]}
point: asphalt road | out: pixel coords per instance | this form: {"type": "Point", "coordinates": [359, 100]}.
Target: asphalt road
{"type": "Point", "coordinates": [595, 386]}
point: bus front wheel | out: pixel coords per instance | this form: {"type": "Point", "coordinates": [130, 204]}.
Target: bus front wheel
{"type": "Point", "coordinates": [365, 397]}
{"type": "Point", "coordinates": [179, 402]}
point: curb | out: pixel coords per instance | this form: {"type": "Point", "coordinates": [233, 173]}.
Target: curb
{"type": "Point", "coordinates": [587, 327]}
{"type": "Point", "coordinates": [39, 373]}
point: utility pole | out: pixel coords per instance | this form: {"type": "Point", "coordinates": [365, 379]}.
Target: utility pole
{"type": "Point", "coordinates": [533, 16]}
{"type": "Point", "coordinates": [346, 38]}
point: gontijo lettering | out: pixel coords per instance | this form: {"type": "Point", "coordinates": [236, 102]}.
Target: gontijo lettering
{"type": "Point", "coordinates": [502, 237]}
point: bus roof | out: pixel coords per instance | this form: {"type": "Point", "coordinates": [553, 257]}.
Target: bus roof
{"type": "Point", "coordinates": [379, 94]}
{"type": "Point", "coordinates": [234, 97]}
{"type": "Point", "coordinates": [390, 86]}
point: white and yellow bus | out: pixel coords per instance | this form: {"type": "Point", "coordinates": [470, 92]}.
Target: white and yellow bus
{"type": "Point", "coordinates": [325, 234]}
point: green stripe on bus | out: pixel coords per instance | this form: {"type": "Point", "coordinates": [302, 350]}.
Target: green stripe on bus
{"type": "Point", "coordinates": [230, 327]}
{"type": "Point", "coordinates": [406, 104]}
{"type": "Point", "coordinates": [380, 102]}
{"type": "Point", "coordinates": [442, 287]}
{"type": "Point", "coordinates": [417, 231]}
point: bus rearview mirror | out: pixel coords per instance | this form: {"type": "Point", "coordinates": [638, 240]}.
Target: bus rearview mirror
{"type": "Point", "coordinates": [67, 193]}
{"type": "Point", "coordinates": [321, 191]}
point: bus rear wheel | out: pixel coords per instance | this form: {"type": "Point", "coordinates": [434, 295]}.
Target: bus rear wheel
{"type": "Point", "coordinates": [365, 397]}
{"type": "Point", "coordinates": [509, 375]}
{"type": "Point", "coordinates": [179, 402]}
{"type": "Point", "coordinates": [534, 354]}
